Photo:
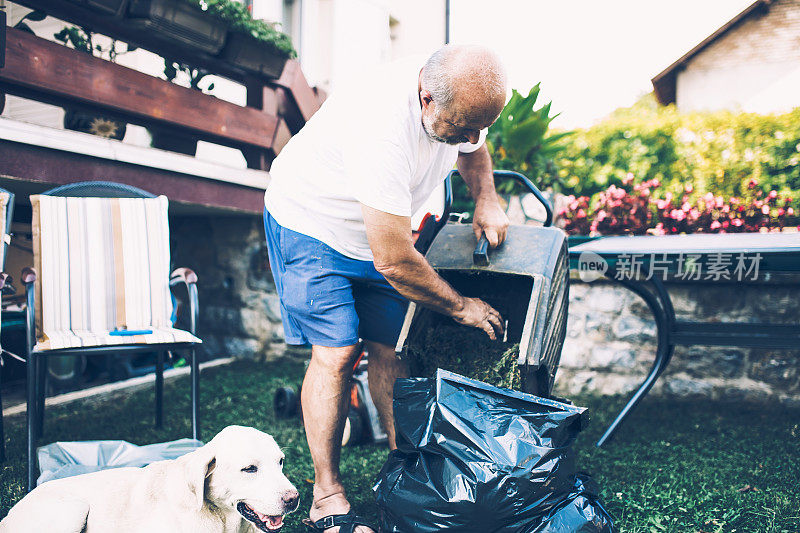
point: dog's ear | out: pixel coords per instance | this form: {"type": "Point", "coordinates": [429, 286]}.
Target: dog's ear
{"type": "Point", "coordinates": [197, 467]}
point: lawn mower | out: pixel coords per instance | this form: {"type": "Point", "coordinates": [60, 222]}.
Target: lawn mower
{"type": "Point", "coordinates": [362, 423]}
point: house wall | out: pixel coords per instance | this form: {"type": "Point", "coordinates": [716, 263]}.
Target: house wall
{"type": "Point", "coordinates": [418, 26]}
{"type": "Point", "coordinates": [754, 67]}
{"type": "Point", "coordinates": [339, 38]}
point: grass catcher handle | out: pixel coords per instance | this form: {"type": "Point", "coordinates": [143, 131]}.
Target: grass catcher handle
{"type": "Point", "coordinates": [548, 221]}
{"type": "Point", "coordinates": [480, 257]}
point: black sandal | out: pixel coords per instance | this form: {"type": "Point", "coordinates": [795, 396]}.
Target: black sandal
{"type": "Point", "coordinates": [347, 523]}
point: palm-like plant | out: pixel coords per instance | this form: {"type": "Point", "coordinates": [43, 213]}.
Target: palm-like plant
{"type": "Point", "coordinates": [519, 141]}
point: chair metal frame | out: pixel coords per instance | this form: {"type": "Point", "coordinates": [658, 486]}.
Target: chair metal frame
{"type": "Point", "coordinates": [36, 367]}
{"type": "Point", "coordinates": [4, 278]}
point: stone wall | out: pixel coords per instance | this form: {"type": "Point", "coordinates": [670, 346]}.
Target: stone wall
{"type": "Point", "coordinates": [611, 344]}
{"type": "Point", "coordinates": [239, 309]}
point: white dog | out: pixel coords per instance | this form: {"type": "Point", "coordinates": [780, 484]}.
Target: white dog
{"type": "Point", "coordinates": [233, 484]}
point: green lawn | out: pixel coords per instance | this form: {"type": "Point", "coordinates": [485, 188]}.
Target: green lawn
{"type": "Point", "coordinates": [676, 466]}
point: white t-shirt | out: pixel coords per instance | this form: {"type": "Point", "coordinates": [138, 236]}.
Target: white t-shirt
{"type": "Point", "coordinates": [366, 144]}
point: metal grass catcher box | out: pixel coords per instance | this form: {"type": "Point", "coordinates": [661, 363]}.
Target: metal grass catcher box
{"type": "Point", "coordinates": [526, 280]}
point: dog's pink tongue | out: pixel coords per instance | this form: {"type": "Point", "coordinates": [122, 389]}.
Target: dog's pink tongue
{"type": "Point", "coordinates": [272, 521]}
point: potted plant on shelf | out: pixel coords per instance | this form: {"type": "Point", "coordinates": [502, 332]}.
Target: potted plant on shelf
{"type": "Point", "coordinates": [256, 46]}
{"type": "Point", "coordinates": [83, 40]}
{"type": "Point", "coordinates": [185, 22]}
{"type": "Point", "coordinates": [169, 139]}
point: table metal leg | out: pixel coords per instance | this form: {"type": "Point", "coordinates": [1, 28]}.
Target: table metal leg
{"type": "Point", "coordinates": [659, 306]}
{"type": "Point", "coordinates": [669, 311]}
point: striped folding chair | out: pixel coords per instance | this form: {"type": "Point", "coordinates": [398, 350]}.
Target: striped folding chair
{"type": "Point", "coordinates": [100, 285]}
{"type": "Point", "coordinates": [6, 213]}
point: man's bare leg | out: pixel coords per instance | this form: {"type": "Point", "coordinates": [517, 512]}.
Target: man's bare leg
{"type": "Point", "coordinates": [383, 369]}
{"type": "Point", "coordinates": [324, 399]}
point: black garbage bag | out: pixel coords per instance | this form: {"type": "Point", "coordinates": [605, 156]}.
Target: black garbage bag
{"type": "Point", "coordinates": [476, 458]}
{"type": "Point", "coordinates": [580, 511]}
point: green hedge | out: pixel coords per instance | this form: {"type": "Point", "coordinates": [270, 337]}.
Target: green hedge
{"type": "Point", "coordinates": [716, 152]}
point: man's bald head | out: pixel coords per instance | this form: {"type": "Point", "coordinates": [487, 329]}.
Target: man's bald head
{"type": "Point", "coordinates": [468, 80]}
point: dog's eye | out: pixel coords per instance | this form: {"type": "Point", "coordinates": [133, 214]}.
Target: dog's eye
{"type": "Point", "coordinates": [280, 462]}
{"type": "Point", "coordinates": [252, 469]}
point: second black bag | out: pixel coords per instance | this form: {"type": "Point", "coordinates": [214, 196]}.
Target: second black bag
{"type": "Point", "coordinates": [476, 458]}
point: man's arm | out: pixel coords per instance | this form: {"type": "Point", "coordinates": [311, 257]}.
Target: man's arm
{"type": "Point", "coordinates": [407, 271]}
{"type": "Point", "coordinates": [489, 218]}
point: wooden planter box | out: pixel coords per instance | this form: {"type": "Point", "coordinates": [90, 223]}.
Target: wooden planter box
{"type": "Point", "coordinates": [109, 7]}
{"type": "Point", "coordinates": [253, 55]}
{"type": "Point", "coordinates": [180, 22]}
{"type": "Point", "coordinates": [113, 8]}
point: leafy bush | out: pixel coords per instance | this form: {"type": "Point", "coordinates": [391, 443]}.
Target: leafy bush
{"type": "Point", "coordinates": [632, 210]}
{"type": "Point", "coordinates": [718, 152]}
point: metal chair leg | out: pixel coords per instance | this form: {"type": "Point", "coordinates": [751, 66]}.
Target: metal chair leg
{"type": "Point", "coordinates": [195, 395]}
{"type": "Point", "coordinates": [28, 278]}
{"type": "Point", "coordinates": [2, 433]}
{"type": "Point", "coordinates": [41, 393]}
{"type": "Point", "coordinates": [31, 419]}
{"type": "Point", "coordinates": [160, 390]}
{"type": "Point", "coordinates": [663, 354]}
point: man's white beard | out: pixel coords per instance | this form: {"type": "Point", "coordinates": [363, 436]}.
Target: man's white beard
{"type": "Point", "coordinates": [427, 125]}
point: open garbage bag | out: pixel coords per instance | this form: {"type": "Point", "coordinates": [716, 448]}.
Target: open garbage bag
{"type": "Point", "coordinates": [65, 459]}
{"type": "Point", "coordinates": [476, 458]}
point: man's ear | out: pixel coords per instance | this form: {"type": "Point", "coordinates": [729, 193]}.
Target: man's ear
{"type": "Point", "coordinates": [197, 467]}
{"type": "Point", "coordinates": [426, 98]}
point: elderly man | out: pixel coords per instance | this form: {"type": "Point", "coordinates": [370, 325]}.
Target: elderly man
{"type": "Point", "coordinates": [338, 229]}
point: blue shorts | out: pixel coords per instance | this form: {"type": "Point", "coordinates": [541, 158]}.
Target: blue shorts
{"type": "Point", "coordinates": [328, 299]}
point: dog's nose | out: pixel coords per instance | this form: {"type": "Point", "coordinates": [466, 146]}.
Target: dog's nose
{"type": "Point", "coordinates": [291, 498]}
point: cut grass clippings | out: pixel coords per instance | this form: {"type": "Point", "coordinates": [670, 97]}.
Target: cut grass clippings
{"type": "Point", "coordinates": [466, 351]}
{"type": "Point", "coordinates": [675, 466]}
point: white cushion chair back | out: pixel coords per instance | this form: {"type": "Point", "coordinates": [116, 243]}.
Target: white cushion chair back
{"type": "Point", "coordinates": [103, 272]}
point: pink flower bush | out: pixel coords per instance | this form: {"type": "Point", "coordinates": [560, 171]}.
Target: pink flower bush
{"type": "Point", "coordinates": [632, 210]}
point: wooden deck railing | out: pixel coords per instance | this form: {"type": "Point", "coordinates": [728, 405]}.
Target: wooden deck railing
{"type": "Point", "coordinates": [39, 69]}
